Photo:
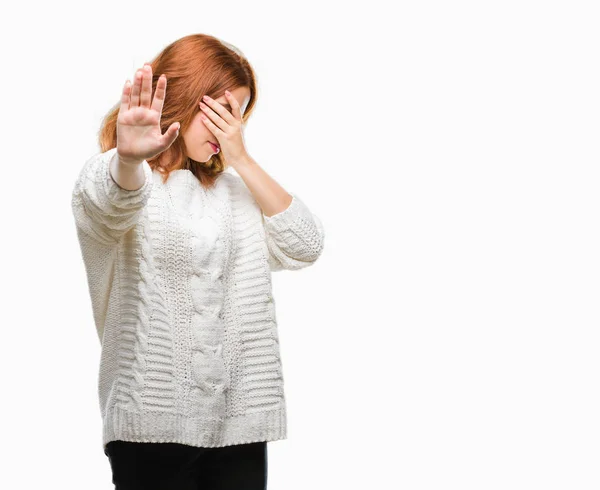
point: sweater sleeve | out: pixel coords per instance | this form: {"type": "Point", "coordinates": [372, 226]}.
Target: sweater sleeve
{"type": "Point", "coordinates": [101, 208]}
{"type": "Point", "coordinates": [295, 236]}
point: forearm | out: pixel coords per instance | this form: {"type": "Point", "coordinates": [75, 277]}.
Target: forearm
{"type": "Point", "coordinates": [270, 196]}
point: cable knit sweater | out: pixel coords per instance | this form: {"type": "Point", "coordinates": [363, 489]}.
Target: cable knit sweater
{"type": "Point", "coordinates": [180, 283]}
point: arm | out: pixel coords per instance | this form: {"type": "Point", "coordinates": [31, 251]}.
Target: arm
{"type": "Point", "coordinates": [294, 236]}
{"type": "Point", "coordinates": [102, 208]}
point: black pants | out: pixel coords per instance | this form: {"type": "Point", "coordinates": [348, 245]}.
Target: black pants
{"type": "Point", "coordinates": [173, 466]}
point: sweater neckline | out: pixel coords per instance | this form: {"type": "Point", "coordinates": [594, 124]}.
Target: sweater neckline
{"type": "Point", "coordinates": [228, 169]}
{"type": "Point", "coordinates": [186, 172]}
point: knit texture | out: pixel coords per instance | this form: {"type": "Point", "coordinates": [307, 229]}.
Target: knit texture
{"type": "Point", "coordinates": [180, 284]}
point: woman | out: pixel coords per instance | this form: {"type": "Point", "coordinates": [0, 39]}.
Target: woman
{"type": "Point", "coordinates": [179, 233]}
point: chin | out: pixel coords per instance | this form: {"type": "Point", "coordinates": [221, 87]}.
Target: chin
{"type": "Point", "coordinates": [201, 158]}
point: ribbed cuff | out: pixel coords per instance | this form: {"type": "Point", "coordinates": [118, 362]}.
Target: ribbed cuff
{"type": "Point", "coordinates": [284, 219]}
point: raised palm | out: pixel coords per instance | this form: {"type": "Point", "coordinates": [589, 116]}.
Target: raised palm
{"type": "Point", "coordinates": [139, 136]}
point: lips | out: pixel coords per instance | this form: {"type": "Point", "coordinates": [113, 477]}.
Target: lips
{"type": "Point", "coordinates": [214, 146]}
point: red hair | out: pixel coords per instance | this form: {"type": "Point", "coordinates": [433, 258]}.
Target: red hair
{"type": "Point", "coordinates": [194, 65]}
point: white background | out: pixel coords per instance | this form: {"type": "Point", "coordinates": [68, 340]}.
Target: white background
{"type": "Point", "coordinates": [448, 335]}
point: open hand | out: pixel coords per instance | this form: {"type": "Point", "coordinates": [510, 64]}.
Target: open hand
{"type": "Point", "coordinates": [139, 136]}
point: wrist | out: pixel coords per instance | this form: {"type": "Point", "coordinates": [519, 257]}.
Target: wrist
{"type": "Point", "coordinates": [128, 162]}
{"type": "Point", "coordinates": [244, 160]}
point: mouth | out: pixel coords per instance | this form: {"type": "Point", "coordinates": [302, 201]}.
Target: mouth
{"type": "Point", "coordinates": [214, 146]}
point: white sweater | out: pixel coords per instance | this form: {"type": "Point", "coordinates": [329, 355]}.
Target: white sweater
{"type": "Point", "coordinates": [180, 285]}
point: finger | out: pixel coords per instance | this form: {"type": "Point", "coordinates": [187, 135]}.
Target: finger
{"type": "Point", "coordinates": [218, 109]}
{"type": "Point", "coordinates": [170, 135]}
{"type": "Point", "coordinates": [159, 94]}
{"type": "Point", "coordinates": [235, 107]}
{"type": "Point", "coordinates": [135, 90]}
{"type": "Point", "coordinates": [146, 95]}
{"type": "Point", "coordinates": [125, 96]}
{"type": "Point", "coordinates": [213, 116]}
{"type": "Point", "coordinates": [212, 126]}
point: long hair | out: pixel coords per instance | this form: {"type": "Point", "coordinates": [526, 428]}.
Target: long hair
{"type": "Point", "coordinates": [194, 65]}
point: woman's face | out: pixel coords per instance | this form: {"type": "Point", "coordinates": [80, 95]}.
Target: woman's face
{"type": "Point", "coordinates": [197, 135]}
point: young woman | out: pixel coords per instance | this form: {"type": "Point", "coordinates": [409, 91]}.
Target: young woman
{"type": "Point", "coordinates": [180, 230]}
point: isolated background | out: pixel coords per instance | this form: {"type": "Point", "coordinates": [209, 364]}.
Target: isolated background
{"type": "Point", "coordinates": [447, 337]}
